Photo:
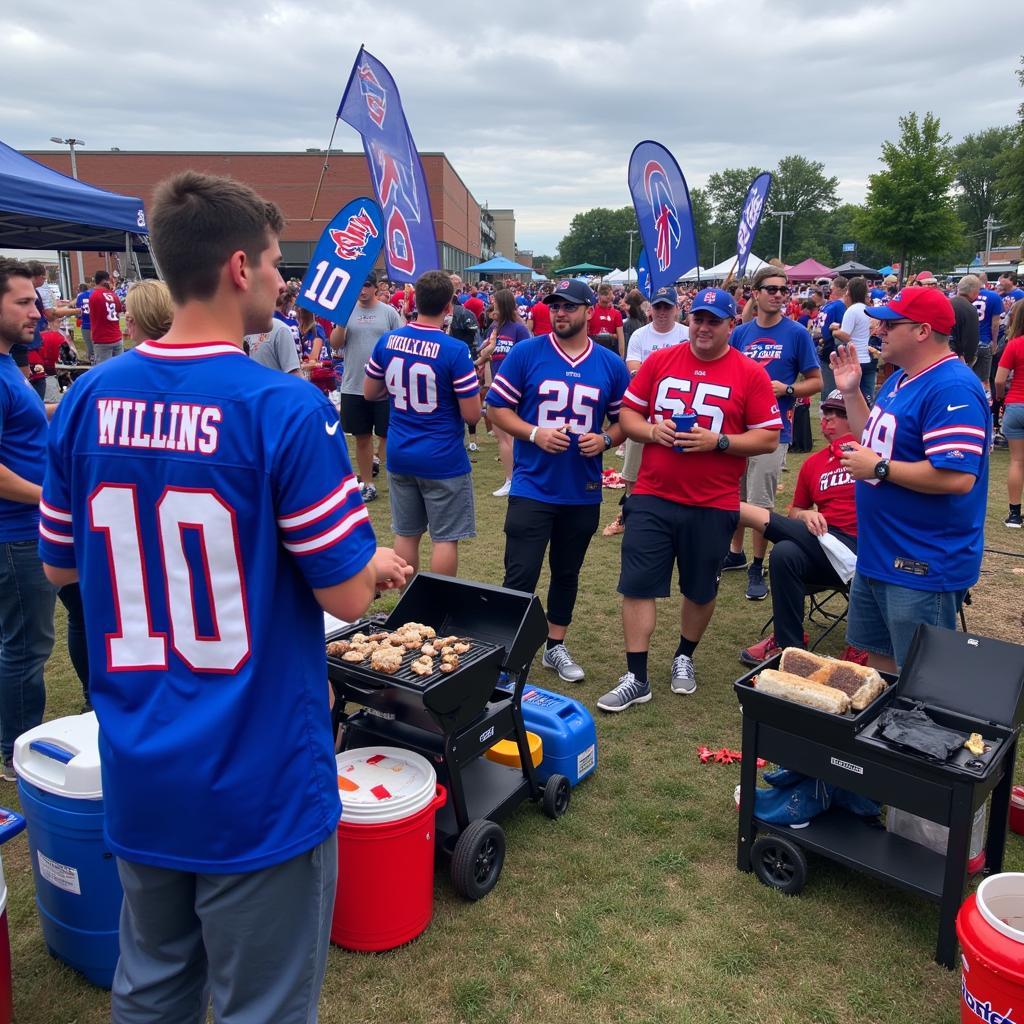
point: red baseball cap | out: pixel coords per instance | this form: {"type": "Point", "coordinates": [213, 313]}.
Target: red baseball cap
{"type": "Point", "coordinates": [922, 305]}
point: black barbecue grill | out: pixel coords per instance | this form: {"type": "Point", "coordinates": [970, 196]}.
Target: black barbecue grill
{"type": "Point", "coordinates": [964, 682]}
{"type": "Point", "coordinates": [452, 718]}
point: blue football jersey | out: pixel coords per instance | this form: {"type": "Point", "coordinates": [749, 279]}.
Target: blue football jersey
{"type": "Point", "coordinates": [201, 496]}
{"type": "Point", "coordinates": [988, 304]}
{"type": "Point", "coordinates": [926, 541]}
{"type": "Point", "coordinates": [82, 302]}
{"type": "Point", "coordinates": [551, 389]}
{"type": "Point", "coordinates": [426, 372]}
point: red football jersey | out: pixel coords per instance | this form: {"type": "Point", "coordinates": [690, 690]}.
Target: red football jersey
{"type": "Point", "coordinates": [104, 315]}
{"type": "Point", "coordinates": [604, 321]}
{"type": "Point", "coordinates": [729, 395]}
{"type": "Point", "coordinates": [824, 484]}
{"type": "Point", "coordinates": [541, 316]}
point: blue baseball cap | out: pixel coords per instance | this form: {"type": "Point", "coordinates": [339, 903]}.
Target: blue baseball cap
{"type": "Point", "coordinates": [576, 292]}
{"type": "Point", "coordinates": [666, 294]}
{"type": "Point", "coordinates": [716, 302]}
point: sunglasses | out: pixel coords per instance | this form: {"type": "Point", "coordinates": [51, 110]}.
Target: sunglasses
{"type": "Point", "coordinates": [888, 325]}
{"type": "Point", "coordinates": [557, 307]}
{"type": "Point", "coordinates": [774, 289]}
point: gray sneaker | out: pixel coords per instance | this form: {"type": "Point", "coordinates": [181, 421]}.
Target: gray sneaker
{"type": "Point", "coordinates": [683, 678]}
{"type": "Point", "coordinates": [7, 772]}
{"type": "Point", "coordinates": [558, 658]}
{"type": "Point", "coordinates": [629, 692]}
{"type": "Point", "coordinates": [368, 493]}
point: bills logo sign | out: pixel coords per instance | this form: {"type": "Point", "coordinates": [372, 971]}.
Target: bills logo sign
{"type": "Point", "coordinates": [663, 214]}
{"type": "Point", "coordinates": [372, 106]}
{"type": "Point", "coordinates": [350, 241]}
{"type": "Point", "coordinates": [750, 219]}
{"type": "Point", "coordinates": [344, 256]}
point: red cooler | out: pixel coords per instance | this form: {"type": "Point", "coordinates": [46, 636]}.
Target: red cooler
{"type": "Point", "coordinates": [990, 927]}
{"type": "Point", "coordinates": [385, 892]}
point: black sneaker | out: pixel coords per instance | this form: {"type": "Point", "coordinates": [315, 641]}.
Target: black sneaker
{"type": "Point", "coordinates": [1014, 520]}
{"type": "Point", "coordinates": [734, 560]}
{"type": "Point", "coordinates": [757, 589]}
{"type": "Point", "coordinates": [376, 465]}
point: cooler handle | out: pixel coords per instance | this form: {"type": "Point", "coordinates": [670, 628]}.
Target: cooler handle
{"type": "Point", "coordinates": [440, 799]}
{"type": "Point", "coordinates": [53, 751]}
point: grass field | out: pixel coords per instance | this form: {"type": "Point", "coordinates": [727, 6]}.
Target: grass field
{"type": "Point", "coordinates": [628, 909]}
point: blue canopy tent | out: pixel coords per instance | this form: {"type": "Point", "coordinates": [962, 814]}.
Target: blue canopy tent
{"type": "Point", "coordinates": [886, 271]}
{"type": "Point", "coordinates": [40, 208]}
{"type": "Point", "coordinates": [499, 265]}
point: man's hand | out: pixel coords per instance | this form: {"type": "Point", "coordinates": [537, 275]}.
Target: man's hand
{"type": "Point", "coordinates": [590, 444]}
{"type": "Point", "coordinates": [779, 388]}
{"type": "Point", "coordinates": [391, 571]}
{"type": "Point", "coordinates": [664, 432]}
{"type": "Point", "coordinates": [696, 440]}
{"type": "Point", "coordinates": [859, 461]}
{"type": "Point", "coordinates": [814, 521]}
{"type": "Point", "coordinates": [845, 365]}
{"type": "Point", "coordinates": [552, 440]}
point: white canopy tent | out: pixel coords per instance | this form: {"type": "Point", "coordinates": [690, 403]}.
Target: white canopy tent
{"type": "Point", "coordinates": [720, 271]}
{"type": "Point", "coordinates": [621, 276]}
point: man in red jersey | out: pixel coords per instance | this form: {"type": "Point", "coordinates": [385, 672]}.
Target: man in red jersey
{"type": "Point", "coordinates": [700, 408]}
{"type": "Point", "coordinates": [606, 323]}
{"type": "Point", "coordinates": [538, 320]}
{"type": "Point", "coordinates": [822, 503]}
{"type": "Point", "coordinates": [105, 311]}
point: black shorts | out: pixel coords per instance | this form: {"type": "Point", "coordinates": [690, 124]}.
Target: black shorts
{"type": "Point", "coordinates": [660, 533]}
{"type": "Point", "coordinates": [360, 417]}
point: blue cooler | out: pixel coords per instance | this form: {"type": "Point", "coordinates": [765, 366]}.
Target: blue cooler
{"type": "Point", "coordinates": [78, 891]}
{"type": "Point", "coordinates": [567, 731]}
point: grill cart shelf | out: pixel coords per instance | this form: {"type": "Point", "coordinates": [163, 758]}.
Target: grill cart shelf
{"type": "Point", "coordinates": [965, 682]}
{"type": "Point", "coordinates": [452, 719]}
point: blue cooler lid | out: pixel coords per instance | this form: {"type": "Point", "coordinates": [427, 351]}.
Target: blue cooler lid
{"type": "Point", "coordinates": [62, 757]}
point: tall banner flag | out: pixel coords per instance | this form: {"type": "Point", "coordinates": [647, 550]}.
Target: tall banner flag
{"type": "Point", "coordinates": [750, 219]}
{"type": "Point", "coordinates": [344, 256]}
{"type": "Point", "coordinates": [643, 274]}
{"type": "Point", "coordinates": [372, 106]}
{"type": "Point", "coordinates": [662, 203]}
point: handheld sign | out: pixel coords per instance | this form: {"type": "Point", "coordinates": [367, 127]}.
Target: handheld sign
{"type": "Point", "coordinates": [345, 254]}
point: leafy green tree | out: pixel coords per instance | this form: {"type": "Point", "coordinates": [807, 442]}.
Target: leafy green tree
{"type": "Point", "coordinates": [700, 204]}
{"type": "Point", "coordinates": [801, 185]}
{"type": "Point", "coordinates": [840, 226]}
{"type": "Point", "coordinates": [978, 160]}
{"type": "Point", "coordinates": [599, 236]}
{"type": "Point", "coordinates": [909, 208]}
{"type": "Point", "coordinates": [726, 191]}
{"type": "Point", "coordinates": [1011, 175]}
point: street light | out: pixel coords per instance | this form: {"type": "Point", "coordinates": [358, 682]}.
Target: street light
{"type": "Point", "coordinates": [782, 215]}
{"type": "Point", "coordinates": [71, 143]}
{"type": "Point", "coordinates": [631, 232]}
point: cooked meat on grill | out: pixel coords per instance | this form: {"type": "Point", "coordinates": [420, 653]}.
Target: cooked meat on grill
{"type": "Point", "coordinates": [449, 666]}
{"type": "Point", "coordinates": [422, 666]}
{"type": "Point", "coordinates": [376, 638]}
{"type": "Point", "coordinates": [358, 654]}
{"type": "Point", "coordinates": [428, 649]}
{"type": "Point", "coordinates": [336, 648]}
{"type": "Point", "coordinates": [461, 648]}
{"type": "Point", "coordinates": [386, 660]}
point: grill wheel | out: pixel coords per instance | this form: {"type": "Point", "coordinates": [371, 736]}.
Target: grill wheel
{"type": "Point", "coordinates": [478, 858]}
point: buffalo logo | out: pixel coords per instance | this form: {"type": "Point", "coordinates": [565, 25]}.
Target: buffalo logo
{"type": "Point", "coordinates": [663, 207]}
{"type": "Point", "coordinates": [563, 285]}
{"type": "Point", "coordinates": [708, 297]}
{"type": "Point", "coordinates": [350, 241]}
{"type": "Point", "coordinates": [374, 93]}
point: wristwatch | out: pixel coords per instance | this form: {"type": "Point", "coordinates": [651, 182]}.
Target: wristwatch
{"type": "Point", "coordinates": [723, 442]}
{"type": "Point", "coordinates": [607, 440]}
{"type": "Point", "coordinates": [881, 469]}
{"type": "Point", "coordinates": [790, 392]}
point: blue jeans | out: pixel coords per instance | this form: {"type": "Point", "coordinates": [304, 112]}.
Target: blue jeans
{"type": "Point", "coordinates": [26, 638]}
{"type": "Point", "coordinates": [868, 375]}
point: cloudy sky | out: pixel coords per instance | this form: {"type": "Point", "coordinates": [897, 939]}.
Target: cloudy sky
{"type": "Point", "coordinates": [537, 109]}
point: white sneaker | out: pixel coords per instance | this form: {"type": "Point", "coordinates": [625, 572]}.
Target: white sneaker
{"type": "Point", "coordinates": [473, 446]}
{"type": "Point", "coordinates": [559, 659]}
{"type": "Point", "coordinates": [683, 678]}
{"type": "Point", "coordinates": [502, 491]}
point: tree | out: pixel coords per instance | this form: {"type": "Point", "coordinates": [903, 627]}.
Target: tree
{"type": "Point", "coordinates": [801, 186]}
{"type": "Point", "coordinates": [1011, 174]}
{"type": "Point", "coordinates": [726, 191]}
{"type": "Point", "coordinates": [700, 204]}
{"type": "Point", "coordinates": [600, 236]}
{"type": "Point", "coordinates": [909, 208]}
{"type": "Point", "coordinates": [978, 160]}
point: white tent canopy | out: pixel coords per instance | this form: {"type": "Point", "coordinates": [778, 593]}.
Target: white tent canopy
{"type": "Point", "coordinates": [620, 276]}
{"type": "Point", "coordinates": [720, 271]}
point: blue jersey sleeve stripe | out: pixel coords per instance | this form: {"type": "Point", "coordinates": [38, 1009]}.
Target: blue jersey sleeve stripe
{"type": "Point", "coordinates": [373, 370]}
{"type": "Point", "coordinates": [304, 517]}
{"type": "Point", "coordinates": [951, 446]}
{"type": "Point", "coordinates": [509, 387]}
{"type": "Point", "coordinates": [502, 392]}
{"type": "Point", "coordinates": [54, 538]}
{"type": "Point", "coordinates": [469, 377]}
{"type": "Point", "coordinates": [330, 537]}
{"type": "Point", "coordinates": [468, 390]}
{"type": "Point", "coordinates": [52, 512]}
{"type": "Point", "coordinates": [57, 528]}
{"type": "Point", "coordinates": [930, 435]}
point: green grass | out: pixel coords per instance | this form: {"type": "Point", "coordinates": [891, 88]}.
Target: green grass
{"type": "Point", "coordinates": [629, 909]}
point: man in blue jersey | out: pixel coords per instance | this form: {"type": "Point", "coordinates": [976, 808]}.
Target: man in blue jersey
{"type": "Point", "coordinates": [989, 305]}
{"type": "Point", "coordinates": [553, 394]}
{"type": "Point", "coordinates": [922, 472]}
{"type": "Point", "coordinates": [831, 313]}
{"type": "Point", "coordinates": [429, 380]}
{"type": "Point", "coordinates": [207, 505]}
{"type": "Point", "coordinates": [82, 302]}
{"type": "Point", "coordinates": [26, 596]}
{"type": "Point", "coordinates": [785, 350]}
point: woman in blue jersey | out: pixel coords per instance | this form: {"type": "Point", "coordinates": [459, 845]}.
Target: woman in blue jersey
{"type": "Point", "coordinates": [506, 330]}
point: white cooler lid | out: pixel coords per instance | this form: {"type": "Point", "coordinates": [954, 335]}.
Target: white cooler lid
{"type": "Point", "coordinates": [381, 784]}
{"type": "Point", "coordinates": [62, 757]}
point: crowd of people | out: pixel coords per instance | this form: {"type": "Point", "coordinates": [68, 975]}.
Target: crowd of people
{"type": "Point", "coordinates": [195, 510]}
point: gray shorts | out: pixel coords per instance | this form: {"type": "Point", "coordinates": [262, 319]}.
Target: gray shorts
{"type": "Point", "coordinates": [983, 365]}
{"type": "Point", "coordinates": [107, 350]}
{"type": "Point", "coordinates": [761, 479]}
{"type": "Point", "coordinates": [631, 463]}
{"type": "Point", "coordinates": [445, 506]}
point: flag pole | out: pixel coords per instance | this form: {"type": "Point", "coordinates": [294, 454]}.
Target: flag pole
{"type": "Point", "coordinates": [323, 170]}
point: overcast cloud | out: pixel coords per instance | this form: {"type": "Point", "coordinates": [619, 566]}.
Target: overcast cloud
{"type": "Point", "coordinates": [538, 109]}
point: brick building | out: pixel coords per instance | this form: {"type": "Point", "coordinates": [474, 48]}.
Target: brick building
{"type": "Point", "coordinates": [464, 231]}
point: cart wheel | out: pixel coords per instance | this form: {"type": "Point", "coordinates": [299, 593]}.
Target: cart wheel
{"type": "Point", "coordinates": [779, 864]}
{"type": "Point", "coordinates": [477, 859]}
{"type": "Point", "coordinates": [557, 795]}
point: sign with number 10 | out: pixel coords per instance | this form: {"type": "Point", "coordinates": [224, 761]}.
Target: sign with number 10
{"type": "Point", "coordinates": [344, 256]}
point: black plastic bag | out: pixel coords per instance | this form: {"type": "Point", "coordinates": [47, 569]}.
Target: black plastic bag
{"type": "Point", "coordinates": [912, 729]}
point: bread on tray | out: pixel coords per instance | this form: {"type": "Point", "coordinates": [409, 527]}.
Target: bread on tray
{"type": "Point", "coordinates": [802, 690]}
{"type": "Point", "coordinates": [861, 684]}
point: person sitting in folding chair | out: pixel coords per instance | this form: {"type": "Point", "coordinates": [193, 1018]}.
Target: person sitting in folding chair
{"type": "Point", "coordinates": [822, 503]}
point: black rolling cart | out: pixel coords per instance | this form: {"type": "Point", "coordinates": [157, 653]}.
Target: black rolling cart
{"type": "Point", "coordinates": [965, 682]}
{"type": "Point", "coordinates": [451, 719]}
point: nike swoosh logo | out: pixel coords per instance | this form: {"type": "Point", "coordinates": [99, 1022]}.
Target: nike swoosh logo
{"type": "Point", "coordinates": [953, 408]}
{"type": "Point", "coordinates": [331, 428]}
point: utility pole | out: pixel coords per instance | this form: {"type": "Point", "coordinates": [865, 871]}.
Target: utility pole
{"type": "Point", "coordinates": [990, 226]}
{"type": "Point", "coordinates": [631, 232]}
{"type": "Point", "coordinates": [782, 215]}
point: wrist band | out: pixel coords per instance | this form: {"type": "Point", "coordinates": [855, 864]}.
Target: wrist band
{"type": "Point", "coordinates": [533, 435]}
